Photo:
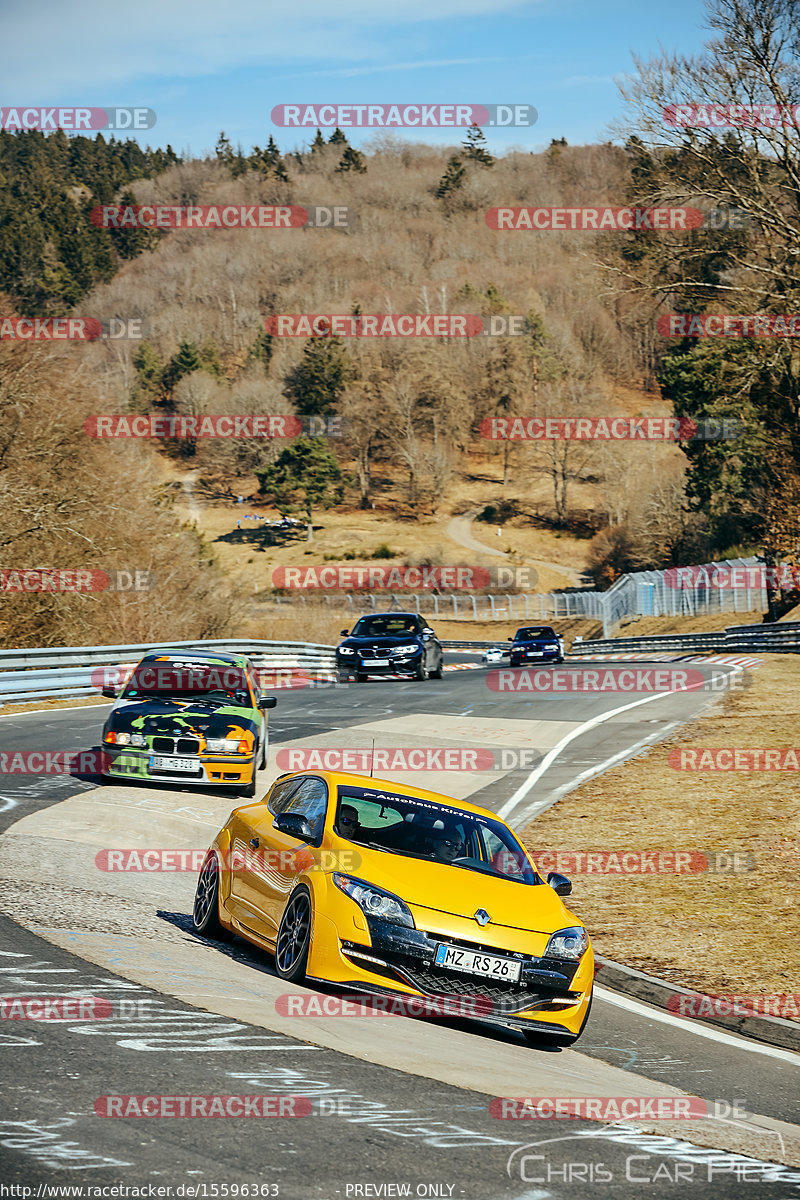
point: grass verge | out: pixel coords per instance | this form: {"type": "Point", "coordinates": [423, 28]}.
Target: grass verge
{"type": "Point", "coordinates": [716, 933]}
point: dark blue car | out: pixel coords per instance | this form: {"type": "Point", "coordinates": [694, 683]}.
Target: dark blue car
{"type": "Point", "coordinates": [390, 644]}
{"type": "Point", "coordinates": [535, 643]}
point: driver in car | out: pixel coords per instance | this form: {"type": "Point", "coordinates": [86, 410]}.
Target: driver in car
{"type": "Point", "coordinates": [349, 824]}
{"type": "Point", "coordinates": [447, 845]}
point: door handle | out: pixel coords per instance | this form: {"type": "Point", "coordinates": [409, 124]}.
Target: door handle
{"type": "Point", "coordinates": [254, 843]}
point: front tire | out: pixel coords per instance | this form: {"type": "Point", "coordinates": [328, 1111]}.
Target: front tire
{"type": "Point", "coordinates": [205, 914]}
{"type": "Point", "coordinates": [294, 937]}
{"type": "Point", "coordinates": [439, 672]}
{"type": "Point", "coordinates": [421, 671]}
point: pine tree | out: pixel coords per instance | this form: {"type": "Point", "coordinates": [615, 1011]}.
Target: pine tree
{"type": "Point", "coordinates": [352, 160]}
{"type": "Point", "coordinates": [318, 143]}
{"type": "Point", "coordinates": [474, 146]}
{"type": "Point", "coordinates": [181, 364]}
{"type": "Point", "coordinates": [453, 178]}
{"type": "Point", "coordinates": [337, 138]}
{"type": "Point", "coordinates": [224, 150]}
{"type": "Point", "coordinates": [318, 381]}
{"type": "Point", "coordinates": [306, 473]}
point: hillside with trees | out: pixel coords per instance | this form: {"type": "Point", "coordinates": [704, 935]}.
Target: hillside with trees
{"type": "Point", "coordinates": [411, 409]}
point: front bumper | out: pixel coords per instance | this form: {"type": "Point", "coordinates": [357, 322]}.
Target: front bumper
{"type": "Point", "coordinates": [212, 770]}
{"type": "Point", "coordinates": [380, 958]}
{"type": "Point", "coordinates": [354, 664]}
{"type": "Point", "coordinates": [518, 658]}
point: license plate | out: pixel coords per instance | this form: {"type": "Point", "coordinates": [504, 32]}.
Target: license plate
{"type": "Point", "coordinates": [475, 963]}
{"type": "Point", "coordinates": [534, 653]}
{"type": "Point", "coordinates": [157, 763]}
{"type": "Point", "coordinates": [375, 662]}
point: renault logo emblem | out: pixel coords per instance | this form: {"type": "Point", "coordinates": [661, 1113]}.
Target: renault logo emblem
{"type": "Point", "coordinates": [482, 917]}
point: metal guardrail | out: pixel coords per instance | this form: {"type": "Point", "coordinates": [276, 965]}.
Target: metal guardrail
{"type": "Point", "coordinates": [70, 672]}
{"type": "Point", "coordinates": [778, 638]}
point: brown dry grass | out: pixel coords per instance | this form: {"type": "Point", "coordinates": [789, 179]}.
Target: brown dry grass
{"type": "Point", "coordinates": [713, 932]}
{"type": "Point", "coordinates": [714, 622]}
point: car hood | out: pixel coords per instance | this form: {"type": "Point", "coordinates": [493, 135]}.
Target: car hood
{"type": "Point", "coordinates": [381, 641]}
{"type": "Point", "coordinates": [460, 892]}
{"type": "Point", "coordinates": [183, 716]}
{"type": "Point", "coordinates": [547, 641]}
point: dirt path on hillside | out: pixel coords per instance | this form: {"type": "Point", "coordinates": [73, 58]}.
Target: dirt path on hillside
{"type": "Point", "coordinates": [460, 530]}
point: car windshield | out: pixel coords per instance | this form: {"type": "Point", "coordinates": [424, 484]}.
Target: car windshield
{"type": "Point", "coordinates": [416, 828]}
{"type": "Point", "coordinates": [386, 625]}
{"type": "Point", "coordinates": [534, 633]}
{"type": "Point", "coordinates": [184, 679]}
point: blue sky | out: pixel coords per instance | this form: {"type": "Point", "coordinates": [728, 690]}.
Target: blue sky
{"type": "Point", "coordinates": [204, 66]}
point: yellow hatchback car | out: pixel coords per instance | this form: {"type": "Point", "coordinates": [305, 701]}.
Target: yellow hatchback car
{"type": "Point", "coordinates": [391, 890]}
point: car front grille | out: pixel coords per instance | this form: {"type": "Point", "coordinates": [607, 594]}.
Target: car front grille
{"type": "Point", "coordinates": [176, 745]}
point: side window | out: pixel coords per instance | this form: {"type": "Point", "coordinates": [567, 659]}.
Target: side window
{"type": "Point", "coordinates": [310, 801]}
{"type": "Point", "coordinates": [282, 793]}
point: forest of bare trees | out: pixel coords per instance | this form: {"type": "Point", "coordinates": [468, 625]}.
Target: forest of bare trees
{"type": "Point", "coordinates": [411, 409]}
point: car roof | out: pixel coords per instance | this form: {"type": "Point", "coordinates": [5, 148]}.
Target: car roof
{"type": "Point", "coordinates": [214, 658]}
{"type": "Point", "coordinates": [345, 778]}
{"type": "Point", "coordinates": [416, 616]}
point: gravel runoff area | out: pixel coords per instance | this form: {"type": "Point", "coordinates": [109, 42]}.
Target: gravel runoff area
{"type": "Point", "coordinates": [719, 931]}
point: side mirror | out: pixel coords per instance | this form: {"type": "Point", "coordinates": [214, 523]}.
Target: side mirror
{"type": "Point", "coordinates": [509, 639]}
{"type": "Point", "coordinates": [344, 632]}
{"type": "Point", "coordinates": [559, 883]}
{"type": "Point", "coordinates": [110, 692]}
{"type": "Point", "coordinates": [295, 825]}
{"type": "Point", "coordinates": [428, 632]}
{"type": "Point", "coordinates": [265, 701]}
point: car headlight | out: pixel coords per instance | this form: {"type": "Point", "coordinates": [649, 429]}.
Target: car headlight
{"type": "Point", "coordinates": [223, 745]}
{"type": "Point", "coordinates": [117, 739]}
{"type": "Point", "coordinates": [138, 739]}
{"type": "Point", "coordinates": [552, 646]}
{"type": "Point", "coordinates": [568, 943]}
{"type": "Point", "coordinates": [346, 650]}
{"type": "Point", "coordinates": [374, 901]}
{"type": "Point", "coordinates": [406, 649]}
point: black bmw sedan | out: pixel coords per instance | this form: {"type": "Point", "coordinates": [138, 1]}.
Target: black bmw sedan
{"type": "Point", "coordinates": [390, 644]}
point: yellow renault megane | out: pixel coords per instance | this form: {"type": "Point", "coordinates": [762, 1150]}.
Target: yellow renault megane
{"type": "Point", "coordinates": [388, 889]}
